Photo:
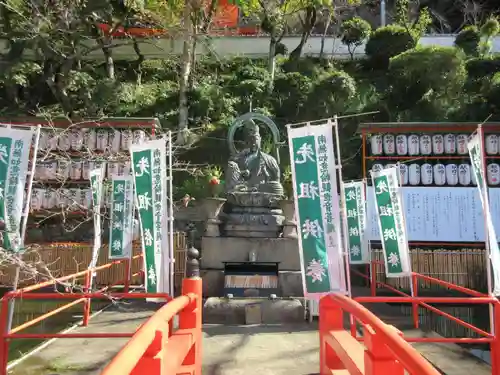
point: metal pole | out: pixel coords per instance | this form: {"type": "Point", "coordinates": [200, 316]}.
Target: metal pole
{"type": "Point", "coordinates": [486, 208]}
{"type": "Point", "coordinates": [347, 266]}
{"type": "Point", "coordinates": [24, 223]}
{"type": "Point", "coordinates": [170, 216]}
{"type": "Point", "coordinates": [382, 13]}
{"type": "Point", "coordinates": [403, 217]}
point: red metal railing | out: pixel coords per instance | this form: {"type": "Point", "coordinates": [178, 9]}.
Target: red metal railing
{"type": "Point", "coordinates": [386, 351]}
{"type": "Point", "coordinates": [84, 297]}
{"type": "Point", "coordinates": [473, 297]}
{"type": "Point", "coordinates": [156, 349]}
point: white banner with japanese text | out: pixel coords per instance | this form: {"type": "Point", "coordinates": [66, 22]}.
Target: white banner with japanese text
{"type": "Point", "coordinates": [121, 231]}
{"type": "Point", "coordinates": [317, 208]}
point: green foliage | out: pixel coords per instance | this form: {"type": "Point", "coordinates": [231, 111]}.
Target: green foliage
{"type": "Point", "coordinates": [468, 40]}
{"type": "Point", "coordinates": [354, 32]}
{"type": "Point", "coordinates": [387, 42]}
{"type": "Point", "coordinates": [417, 27]}
{"type": "Point", "coordinates": [429, 78]}
{"type": "Point", "coordinates": [490, 28]}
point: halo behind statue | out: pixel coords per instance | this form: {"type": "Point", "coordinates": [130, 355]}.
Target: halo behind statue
{"type": "Point", "coordinates": [251, 117]}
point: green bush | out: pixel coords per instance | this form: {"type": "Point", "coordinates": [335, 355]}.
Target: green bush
{"type": "Point", "coordinates": [468, 40]}
{"type": "Point", "coordinates": [483, 67]}
{"type": "Point", "coordinates": [387, 42]}
{"type": "Point", "coordinates": [354, 32]}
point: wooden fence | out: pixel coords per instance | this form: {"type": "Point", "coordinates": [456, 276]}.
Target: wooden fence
{"type": "Point", "coordinates": [464, 267]}
{"type": "Point", "coordinates": [59, 259]}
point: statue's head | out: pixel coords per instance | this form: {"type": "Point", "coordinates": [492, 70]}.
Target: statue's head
{"type": "Point", "coordinates": [252, 135]}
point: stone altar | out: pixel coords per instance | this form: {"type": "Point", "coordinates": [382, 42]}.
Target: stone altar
{"type": "Point", "coordinates": [252, 220]}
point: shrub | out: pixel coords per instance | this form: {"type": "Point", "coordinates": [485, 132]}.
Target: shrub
{"type": "Point", "coordinates": [468, 40]}
{"type": "Point", "coordinates": [354, 32]}
{"type": "Point", "coordinates": [387, 42]}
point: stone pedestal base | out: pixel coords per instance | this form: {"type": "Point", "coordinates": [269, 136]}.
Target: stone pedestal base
{"type": "Point", "coordinates": [235, 311]}
{"type": "Point", "coordinates": [290, 230]}
{"type": "Point", "coordinates": [212, 228]}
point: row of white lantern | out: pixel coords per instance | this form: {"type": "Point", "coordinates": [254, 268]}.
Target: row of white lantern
{"type": "Point", "coordinates": [74, 199]}
{"type": "Point", "coordinates": [436, 144]}
{"type": "Point", "coordinates": [90, 139]}
{"type": "Point", "coordinates": [75, 169]}
{"type": "Point", "coordinates": [440, 174]}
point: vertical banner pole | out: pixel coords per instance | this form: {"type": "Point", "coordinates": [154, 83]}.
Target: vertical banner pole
{"type": "Point", "coordinates": [403, 218]}
{"type": "Point", "coordinates": [343, 218]}
{"type": "Point", "coordinates": [24, 222]}
{"type": "Point", "coordinates": [487, 234]}
{"type": "Point", "coordinates": [171, 214]}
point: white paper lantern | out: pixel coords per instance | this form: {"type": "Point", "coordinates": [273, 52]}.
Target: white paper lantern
{"type": "Point", "coordinates": [390, 165]}
{"type": "Point", "coordinates": [413, 145]}
{"type": "Point", "coordinates": [125, 170]}
{"type": "Point", "coordinates": [63, 170]}
{"type": "Point", "coordinates": [426, 172]}
{"type": "Point", "coordinates": [491, 143]}
{"type": "Point", "coordinates": [139, 136]}
{"type": "Point", "coordinates": [49, 199]}
{"type": "Point", "coordinates": [114, 141]}
{"type": "Point", "coordinates": [450, 144]}
{"type": "Point", "coordinates": [89, 138]}
{"type": "Point", "coordinates": [493, 174]}
{"type": "Point", "coordinates": [437, 144]}
{"type": "Point", "coordinates": [53, 140]}
{"type": "Point", "coordinates": [462, 144]}
{"type": "Point", "coordinates": [464, 177]}
{"type": "Point", "coordinates": [76, 169]}
{"type": "Point", "coordinates": [452, 174]}
{"type": "Point", "coordinates": [62, 197]}
{"type": "Point", "coordinates": [127, 136]}
{"type": "Point", "coordinates": [401, 144]}
{"type": "Point", "coordinates": [74, 199]}
{"type": "Point", "coordinates": [439, 174]}
{"type": "Point", "coordinates": [102, 139]}
{"type": "Point", "coordinates": [375, 167]}
{"type": "Point", "coordinates": [425, 144]}
{"type": "Point", "coordinates": [76, 139]}
{"type": "Point", "coordinates": [36, 202]}
{"type": "Point", "coordinates": [403, 172]}
{"type": "Point", "coordinates": [64, 143]}
{"type": "Point", "coordinates": [414, 174]}
{"type": "Point", "coordinates": [113, 168]}
{"type": "Point", "coordinates": [86, 170]}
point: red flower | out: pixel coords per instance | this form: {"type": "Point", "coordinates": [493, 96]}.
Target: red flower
{"type": "Point", "coordinates": [214, 181]}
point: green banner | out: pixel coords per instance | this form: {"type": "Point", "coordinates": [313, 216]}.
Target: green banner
{"type": "Point", "coordinates": [391, 222]}
{"type": "Point", "coordinates": [355, 212]}
{"type": "Point", "coordinates": [476, 152]}
{"type": "Point", "coordinates": [149, 168]}
{"type": "Point", "coordinates": [14, 157]}
{"type": "Point", "coordinates": [121, 231]}
{"type": "Point", "coordinates": [96, 187]}
{"type": "Point", "coordinates": [317, 208]}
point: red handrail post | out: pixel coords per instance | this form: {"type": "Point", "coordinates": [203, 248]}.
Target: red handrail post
{"type": "Point", "coordinates": [190, 318]}
{"type": "Point", "coordinates": [330, 319]}
{"type": "Point", "coordinates": [4, 343]}
{"type": "Point", "coordinates": [150, 362]}
{"type": "Point", "coordinates": [86, 303]}
{"type": "Point", "coordinates": [373, 279]}
{"type": "Point", "coordinates": [128, 273]}
{"type": "Point", "coordinates": [378, 358]}
{"type": "Point", "coordinates": [415, 305]}
{"type": "Point", "coordinates": [495, 344]}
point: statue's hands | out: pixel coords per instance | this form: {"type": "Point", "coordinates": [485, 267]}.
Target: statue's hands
{"type": "Point", "coordinates": [245, 173]}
